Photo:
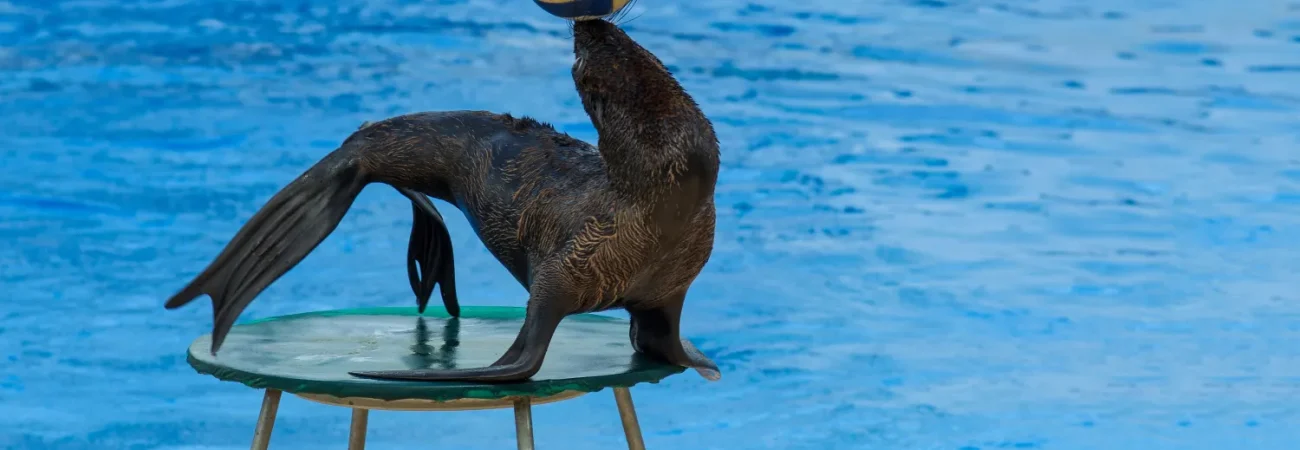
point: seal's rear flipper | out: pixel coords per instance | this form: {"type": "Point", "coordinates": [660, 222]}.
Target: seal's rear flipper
{"type": "Point", "coordinates": [275, 239]}
{"type": "Point", "coordinates": [429, 257]}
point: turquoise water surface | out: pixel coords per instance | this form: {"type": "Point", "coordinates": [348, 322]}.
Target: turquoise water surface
{"type": "Point", "coordinates": [943, 224]}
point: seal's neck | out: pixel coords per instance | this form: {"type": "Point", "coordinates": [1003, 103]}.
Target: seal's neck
{"type": "Point", "coordinates": [646, 157]}
{"type": "Point", "coordinates": [654, 139]}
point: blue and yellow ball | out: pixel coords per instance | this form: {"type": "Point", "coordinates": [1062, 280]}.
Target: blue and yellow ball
{"type": "Point", "coordinates": [581, 9]}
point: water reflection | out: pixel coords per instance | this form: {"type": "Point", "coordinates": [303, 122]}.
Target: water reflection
{"type": "Point", "coordinates": [424, 356]}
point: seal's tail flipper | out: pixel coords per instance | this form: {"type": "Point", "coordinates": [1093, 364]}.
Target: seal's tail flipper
{"type": "Point", "coordinates": [275, 239]}
{"type": "Point", "coordinates": [429, 256]}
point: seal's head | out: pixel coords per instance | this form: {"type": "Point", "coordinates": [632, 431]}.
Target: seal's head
{"type": "Point", "coordinates": [618, 80]}
{"type": "Point", "coordinates": [653, 136]}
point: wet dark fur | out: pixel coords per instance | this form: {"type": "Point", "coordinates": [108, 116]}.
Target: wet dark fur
{"type": "Point", "coordinates": [628, 224]}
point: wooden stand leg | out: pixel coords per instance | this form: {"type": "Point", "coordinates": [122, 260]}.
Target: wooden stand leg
{"type": "Point", "coordinates": [627, 412]}
{"type": "Point", "coordinates": [524, 423]}
{"type": "Point", "coordinates": [266, 419]}
{"type": "Point", "coordinates": [357, 437]}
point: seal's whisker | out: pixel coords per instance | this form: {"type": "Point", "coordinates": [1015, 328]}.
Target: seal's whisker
{"type": "Point", "coordinates": [623, 13]}
{"type": "Point", "coordinates": [638, 16]}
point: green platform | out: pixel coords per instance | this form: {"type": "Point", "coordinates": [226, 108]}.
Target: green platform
{"type": "Point", "coordinates": [310, 355]}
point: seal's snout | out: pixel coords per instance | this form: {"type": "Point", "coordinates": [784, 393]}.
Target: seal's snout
{"type": "Point", "coordinates": [596, 48]}
{"type": "Point", "coordinates": [597, 38]}
{"type": "Point", "coordinates": [605, 56]}
{"type": "Point", "coordinates": [618, 80]}
{"type": "Point", "coordinates": [587, 29]}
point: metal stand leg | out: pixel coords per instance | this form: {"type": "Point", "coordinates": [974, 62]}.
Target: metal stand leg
{"type": "Point", "coordinates": [357, 437]}
{"type": "Point", "coordinates": [524, 423]}
{"type": "Point", "coordinates": [627, 412]}
{"type": "Point", "coordinates": [266, 419]}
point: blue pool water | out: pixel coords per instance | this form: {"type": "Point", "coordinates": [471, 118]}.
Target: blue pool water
{"type": "Point", "coordinates": [943, 224]}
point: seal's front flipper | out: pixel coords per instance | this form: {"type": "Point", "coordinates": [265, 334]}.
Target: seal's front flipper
{"type": "Point", "coordinates": [429, 257]}
{"type": "Point", "coordinates": [693, 358]}
{"type": "Point", "coordinates": [291, 224]}
{"type": "Point", "coordinates": [543, 318]}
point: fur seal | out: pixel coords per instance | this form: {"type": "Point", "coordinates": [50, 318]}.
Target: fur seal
{"type": "Point", "coordinates": [625, 224]}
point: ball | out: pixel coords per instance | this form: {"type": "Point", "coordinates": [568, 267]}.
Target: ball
{"type": "Point", "coordinates": [581, 9]}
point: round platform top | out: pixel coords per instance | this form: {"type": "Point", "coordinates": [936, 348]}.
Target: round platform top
{"type": "Point", "coordinates": [312, 353]}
